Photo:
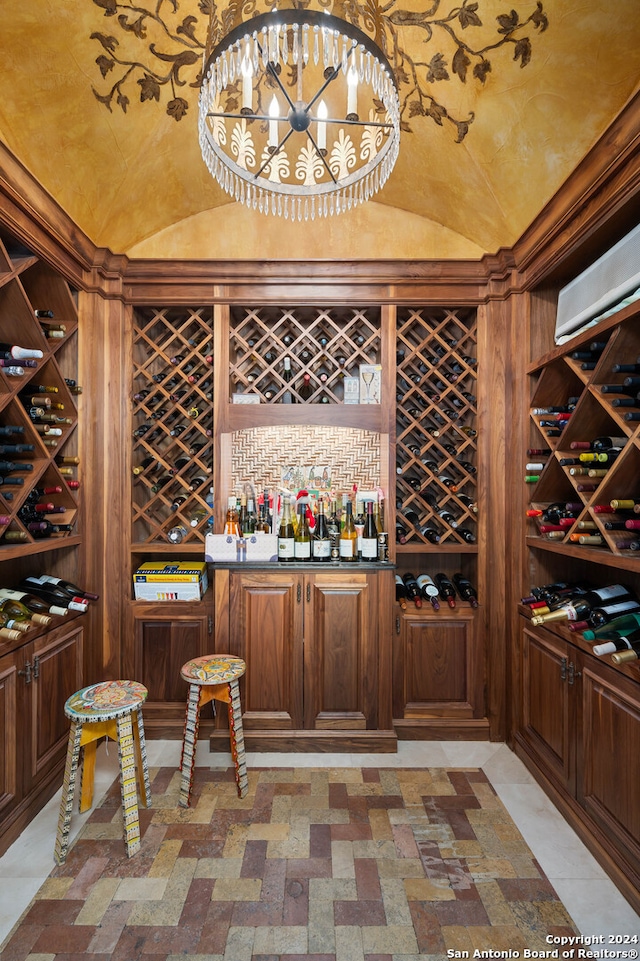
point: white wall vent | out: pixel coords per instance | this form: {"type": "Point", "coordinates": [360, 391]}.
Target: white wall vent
{"type": "Point", "coordinates": [606, 282]}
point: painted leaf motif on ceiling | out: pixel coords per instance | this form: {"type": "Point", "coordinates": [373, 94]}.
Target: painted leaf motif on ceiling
{"type": "Point", "coordinates": [158, 48]}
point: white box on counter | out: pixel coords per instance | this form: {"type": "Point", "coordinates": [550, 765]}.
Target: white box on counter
{"type": "Point", "coordinates": [223, 548]}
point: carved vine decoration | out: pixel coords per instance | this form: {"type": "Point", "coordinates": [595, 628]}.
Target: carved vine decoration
{"type": "Point", "coordinates": [164, 68]}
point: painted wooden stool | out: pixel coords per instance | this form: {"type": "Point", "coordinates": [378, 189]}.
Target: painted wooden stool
{"type": "Point", "coordinates": [106, 709]}
{"type": "Point", "coordinates": [213, 677]}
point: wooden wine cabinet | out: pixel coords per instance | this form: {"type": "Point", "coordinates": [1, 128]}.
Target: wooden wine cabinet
{"type": "Point", "coordinates": [580, 730]}
{"type": "Point", "coordinates": [176, 349]}
{"type": "Point", "coordinates": [39, 672]}
{"type": "Point", "coordinates": [317, 655]}
{"type": "Point", "coordinates": [577, 716]}
{"type": "Point", "coordinates": [438, 679]}
{"type": "Point", "coordinates": [36, 678]}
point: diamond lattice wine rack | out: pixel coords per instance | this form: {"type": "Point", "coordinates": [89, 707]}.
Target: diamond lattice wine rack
{"type": "Point", "coordinates": [172, 457]}
{"type": "Point", "coordinates": [435, 429]}
{"type": "Point", "coordinates": [38, 415]}
{"type": "Point", "coordinates": [322, 344]}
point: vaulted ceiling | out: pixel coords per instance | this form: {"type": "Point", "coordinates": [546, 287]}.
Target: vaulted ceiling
{"type": "Point", "coordinates": [99, 103]}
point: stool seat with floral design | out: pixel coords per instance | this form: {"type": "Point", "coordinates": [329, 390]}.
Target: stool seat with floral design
{"type": "Point", "coordinates": [107, 709]}
{"type": "Point", "coordinates": [213, 677]}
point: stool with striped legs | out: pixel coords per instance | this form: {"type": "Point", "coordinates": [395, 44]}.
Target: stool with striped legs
{"type": "Point", "coordinates": [112, 709]}
{"type": "Point", "coordinates": [212, 677]}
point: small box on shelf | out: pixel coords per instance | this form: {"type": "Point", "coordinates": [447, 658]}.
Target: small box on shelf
{"type": "Point", "coordinates": [170, 581]}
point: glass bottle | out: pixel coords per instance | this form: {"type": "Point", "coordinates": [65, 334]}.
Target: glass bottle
{"type": "Point", "coordinates": [321, 542]}
{"type": "Point", "coordinates": [369, 540]}
{"type": "Point", "coordinates": [349, 537]}
{"type": "Point", "coordinates": [231, 526]}
{"type": "Point", "coordinates": [302, 537]}
{"type": "Point", "coordinates": [286, 537]}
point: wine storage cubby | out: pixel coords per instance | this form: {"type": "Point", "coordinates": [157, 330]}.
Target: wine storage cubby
{"type": "Point", "coordinates": [322, 344]}
{"type": "Point", "coordinates": [38, 415]}
{"type": "Point", "coordinates": [585, 393]}
{"type": "Point", "coordinates": [172, 426]}
{"type": "Point", "coordinates": [436, 436]}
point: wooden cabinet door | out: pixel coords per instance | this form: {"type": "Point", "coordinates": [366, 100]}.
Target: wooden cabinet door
{"type": "Point", "coordinates": [548, 707]}
{"type": "Point", "coordinates": [10, 750]}
{"type": "Point", "coordinates": [56, 674]}
{"type": "Point", "coordinates": [163, 643]}
{"type": "Point", "coordinates": [265, 629]}
{"type": "Point", "coordinates": [436, 669]}
{"type": "Point", "coordinates": [340, 651]}
{"type": "Point", "coordinates": [609, 755]}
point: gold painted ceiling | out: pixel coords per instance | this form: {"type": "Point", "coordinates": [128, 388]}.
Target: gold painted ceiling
{"type": "Point", "coordinates": [500, 103]}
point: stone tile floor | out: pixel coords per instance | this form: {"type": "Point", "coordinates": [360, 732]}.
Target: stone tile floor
{"type": "Point", "coordinates": [362, 858]}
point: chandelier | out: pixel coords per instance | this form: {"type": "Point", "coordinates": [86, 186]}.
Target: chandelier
{"type": "Point", "coordinates": [299, 114]}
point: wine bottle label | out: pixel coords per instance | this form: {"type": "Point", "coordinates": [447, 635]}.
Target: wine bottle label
{"type": "Point", "coordinates": [302, 550]}
{"type": "Point", "coordinates": [322, 549]}
{"type": "Point", "coordinates": [286, 548]}
{"type": "Point", "coordinates": [348, 547]}
{"type": "Point", "coordinates": [369, 548]}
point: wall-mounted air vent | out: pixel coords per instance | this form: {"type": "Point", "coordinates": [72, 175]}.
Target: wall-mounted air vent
{"type": "Point", "coordinates": [606, 282]}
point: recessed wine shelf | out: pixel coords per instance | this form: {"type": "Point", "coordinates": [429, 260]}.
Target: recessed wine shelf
{"type": "Point", "coordinates": [172, 408]}
{"type": "Point", "coordinates": [593, 484]}
{"type": "Point", "coordinates": [436, 451]}
{"type": "Point", "coordinates": [322, 344]}
{"type": "Point", "coordinates": [46, 419]}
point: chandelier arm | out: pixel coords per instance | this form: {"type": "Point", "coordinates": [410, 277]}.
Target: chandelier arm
{"type": "Point", "coordinates": [360, 123]}
{"type": "Point", "coordinates": [277, 150]}
{"type": "Point", "coordinates": [251, 116]}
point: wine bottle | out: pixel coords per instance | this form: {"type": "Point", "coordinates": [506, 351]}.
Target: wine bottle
{"type": "Point", "coordinates": [53, 594]}
{"type": "Point", "coordinates": [21, 613]}
{"type": "Point", "coordinates": [429, 590]}
{"type": "Point", "coordinates": [67, 587]}
{"type": "Point", "coordinates": [286, 535]}
{"type": "Point", "coordinates": [243, 516]}
{"type": "Point", "coordinates": [412, 589]}
{"type": "Point", "coordinates": [466, 590]}
{"type": "Point", "coordinates": [624, 642]}
{"type": "Point", "coordinates": [287, 375]}
{"type": "Point", "coordinates": [349, 537]}
{"type": "Point", "coordinates": [401, 533]}
{"type": "Point", "coordinates": [321, 540]}
{"type": "Point", "coordinates": [446, 589]}
{"type": "Point", "coordinates": [613, 628]}
{"type": "Point", "coordinates": [333, 526]}
{"type": "Point", "coordinates": [302, 536]}
{"type": "Point", "coordinates": [20, 353]}
{"type": "Point", "coordinates": [35, 604]}
{"type": "Point", "coordinates": [599, 443]}
{"type": "Point", "coordinates": [370, 535]}
{"type": "Point", "coordinates": [607, 612]}
{"type": "Point", "coordinates": [597, 606]}
{"type": "Point", "coordinates": [305, 390]}
{"type": "Point", "coordinates": [401, 592]}
{"type": "Point", "coordinates": [177, 534]}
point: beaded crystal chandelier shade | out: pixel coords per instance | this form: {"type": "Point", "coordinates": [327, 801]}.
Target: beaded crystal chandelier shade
{"type": "Point", "coordinates": [299, 114]}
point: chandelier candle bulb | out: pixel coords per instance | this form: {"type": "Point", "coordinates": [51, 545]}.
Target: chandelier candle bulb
{"type": "Point", "coordinates": [321, 135]}
{"type": "Point", "coordinates": [274, 113]}
{"type": "Point", "coordinates": [352, 93]}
